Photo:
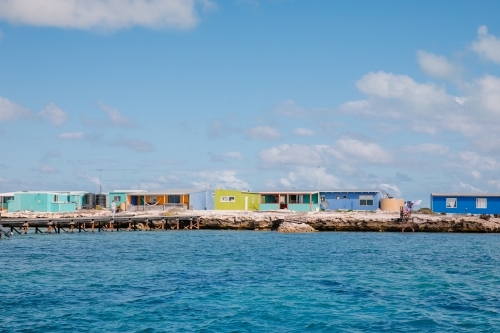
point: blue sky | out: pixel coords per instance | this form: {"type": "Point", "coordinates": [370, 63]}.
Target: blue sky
{"type": "Point", "coordinates": [258, 94]}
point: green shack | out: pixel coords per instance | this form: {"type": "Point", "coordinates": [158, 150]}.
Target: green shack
{"type": "Point", "coordinates": [236, 200]}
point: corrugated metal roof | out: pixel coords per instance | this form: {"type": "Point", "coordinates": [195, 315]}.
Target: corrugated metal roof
{"type": "Point", "coordinates": [476, 195]}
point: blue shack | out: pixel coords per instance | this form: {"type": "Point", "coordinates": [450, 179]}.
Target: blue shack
{"type": "Point", "coordinates": [465, 203]}
{"type": "Point", "coordinates": [350, 199]}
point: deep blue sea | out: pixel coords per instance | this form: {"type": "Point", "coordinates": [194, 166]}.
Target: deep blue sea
{"type": "Point", "coordinates": [248, 281]}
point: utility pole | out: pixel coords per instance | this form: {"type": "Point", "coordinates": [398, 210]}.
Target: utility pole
{"type": "Point", "coordinates": [100, 180]}
{"type": "Point", "coordinates": [318, 178]}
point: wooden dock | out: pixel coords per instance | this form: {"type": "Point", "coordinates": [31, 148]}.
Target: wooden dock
{"type": "Point", "coordinates": [98, 224]}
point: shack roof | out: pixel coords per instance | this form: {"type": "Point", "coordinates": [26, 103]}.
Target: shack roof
{"type": "Point", "coordinates": [288, 192]}
{"type": "Point", "coordinates": [168, 192]}
{"type": "Point", "coordinates": [7, 194]}
{"type": "Point", "coordinates": [475, 195]}
{"type": "Point", "coordinates": [352, 191]}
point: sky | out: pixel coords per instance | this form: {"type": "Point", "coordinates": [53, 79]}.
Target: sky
{"type": "Point", "coordinates": [399, 96]}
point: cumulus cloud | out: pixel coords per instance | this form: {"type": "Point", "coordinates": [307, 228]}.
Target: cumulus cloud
{"type": "Point", "coordinates": [264, 133]}
{"type": "Point", "coordinates": [437, 66]}
{"type": "Point", "coordinates": [54, 115]}
{"type": "Point", "coordinates": [47, 169]}
{"type": "Point", "coordinates": [50, 155]}
{"type": "Point", "coordinates": [230, 155]}
{"type": "Point", "coordinates": [136, 145]}
{"type": "Point", "coordinates": [234, 155]}
{"type": "Point", "coordinates": [402, 87]}
{"type": "Point", "coordinates": [157, 183]}
{"type": "Point", "coordinates": [104, 14]}
{"type": "Point", "coordinates": [464, 187]}
{"type": "Point", "coordinates": [12, 111]}
{"type": "Point", "coordinates": [303, 132]}
{"type": "Point", "coordinates": [220, 179]}
{"type": "Point", "coordinates": [487, 45]}
{"type": "Point", "coordinates": [476, 174]}
{"type": "Point", "coordinates": [290, 109]}
{"type": "Point", "coordinates": [347, 150]}
{"type": "Point", "coordinates": [369, 152]}
{"type": "Point", "coordinates": [290, 155]}
{"type": "Point", "coordinates": [219, 129]}
{"type": "Point", "coordinates": [112, 118]}
{"type": "Point", "coordinates": [71, 135]}
{"type": "Point", "coordinates": [90, 179]}
{"type": "Point", "coordinates": [426, 148]}
{"type": "Point", "coordinates": [485, 95]}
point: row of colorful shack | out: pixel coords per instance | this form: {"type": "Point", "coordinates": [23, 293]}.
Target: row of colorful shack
{"type": "Point", "coordinates": [227, 199]}
{"type": "Point", "coordinates": [207, 199]}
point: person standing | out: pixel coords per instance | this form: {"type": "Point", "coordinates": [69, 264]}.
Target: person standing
{"type": "Point", "coordinates": [113, 208]}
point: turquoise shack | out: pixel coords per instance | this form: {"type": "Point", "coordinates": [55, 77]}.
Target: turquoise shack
{"type": "Point", "coordinates": [299, 201]}
{"type": "Point", "coordinates": [48, 202]}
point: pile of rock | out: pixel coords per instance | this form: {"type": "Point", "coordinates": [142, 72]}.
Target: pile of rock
{"type": "Point", "coordinates": [295, 227]}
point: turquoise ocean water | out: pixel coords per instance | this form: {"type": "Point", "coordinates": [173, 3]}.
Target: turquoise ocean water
{"type": "Point", "coordinates": [230, 281]}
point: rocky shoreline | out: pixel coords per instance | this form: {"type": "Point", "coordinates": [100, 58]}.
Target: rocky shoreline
{"type": "Point", "coordinates": [302, 222]}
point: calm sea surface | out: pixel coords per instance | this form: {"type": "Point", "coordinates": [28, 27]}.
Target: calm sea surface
{"type": "Point", "coordinates": [230, 281]}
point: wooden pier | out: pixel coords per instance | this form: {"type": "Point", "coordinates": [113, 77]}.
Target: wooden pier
{"type": "Point", "coordinates": [98, 224]}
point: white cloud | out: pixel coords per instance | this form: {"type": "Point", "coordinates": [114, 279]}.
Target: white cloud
{"type": "Point", "coordinates": [157, 183]}
{"type": "Point", "coordinates": [303, 132]}
{"type": "Point", "coordinates": [50, 155]}
{"type": "Point", "coordinates": [403, 88]}
{"type": "Point", "coordinates": [12, 111]}
{"type": "Point", "coordinates": [485, 95]}
{"type": "Point", "coordinates": [348, 150]}
{"type": "Point", "coordinates": [220, 179]}
{"type": "Point", "coordinates": [369, 152]}
{"type": "Point", "coordinates": [234, 155]}
{"type": "Point", "coordinates": [264, 133]}
{"type": "Point", "coordinates": [54, 115]}
{"type": "Point", "coordinates": [91, 179]}
{"type": "Point", "coordinates": [71, 135]}
{"type": "Point", "coordinates": [284, 155]}
{"type": "Point", "coordinates": [47, 169]}
{"type": "Point", "coordinates": [112, 118]}
{"type": "Point", "coordinates": [437, 66]}
{"type": "Point", "coordinates": [427, 148]}
{"type": "Point", "coordinates": [461, 187]}
{"type": "Point", "coordinates": [136, 145]}
{"type": "Point", "coordinates": [476, 174]}
{"type": "Point", "coordinates": [103, 14]}
{"type": "Point", "coordinates": [304, 177]}
{"type": "Point", "coordinates": [474, 160]}
{"type": "Point", "coordinates": [290, 109]}
{"type": "Point", "coordinates": [487, 45]}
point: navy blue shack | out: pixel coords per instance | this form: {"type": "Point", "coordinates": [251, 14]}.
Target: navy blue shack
{"type": "Point", "coordinates": [459, 203]}
{"type": "Point", "coordinates": [351, 199]}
